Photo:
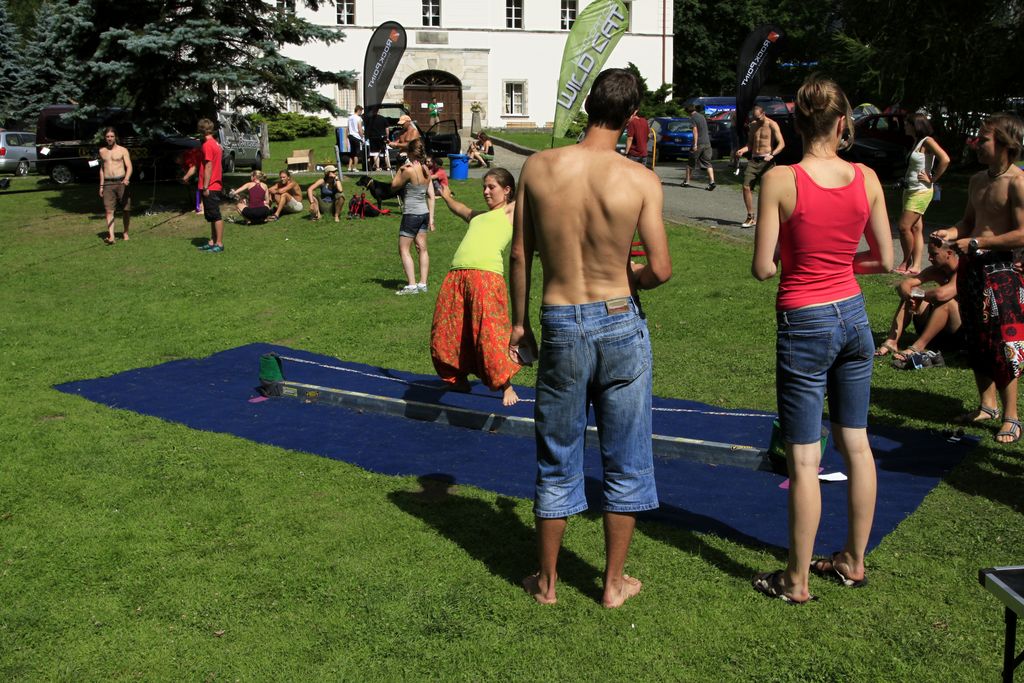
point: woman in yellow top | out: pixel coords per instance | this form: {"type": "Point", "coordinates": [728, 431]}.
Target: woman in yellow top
{"type": "Point", "coordinates": [471, 324]}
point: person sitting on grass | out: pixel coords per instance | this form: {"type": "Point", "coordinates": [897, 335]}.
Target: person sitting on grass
{"type": "Point", "coordinates": [286, 194]}
{"type": "Point", "coordinates": [253, 204]}
{"type": "Point", "coordinates": [481, 150]}
{"type": "Point", "coordinates": [471, 323]}
{"type": "Point", "coordinates": [934, 312]}
{"type": "Point", "coordinates": [332, 196]}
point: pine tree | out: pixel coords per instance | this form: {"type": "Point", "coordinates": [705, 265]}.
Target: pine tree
{"type": "Point", "coordinates": [51, 74]}
{"type": "Point", "coordinates": [166, 59]}
{"type": "Point", "coordinates": [11, 69]}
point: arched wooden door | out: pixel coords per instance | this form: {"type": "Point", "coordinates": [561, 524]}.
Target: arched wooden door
{"type": "Point", "coordinates": [421, 86]}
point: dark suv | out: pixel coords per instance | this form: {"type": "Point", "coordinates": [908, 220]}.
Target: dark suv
{"type": "Point", "coordinates": [67, 148]}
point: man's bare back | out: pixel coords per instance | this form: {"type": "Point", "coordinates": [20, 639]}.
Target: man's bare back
{"type": "Point", "coordinates": [583, 204]}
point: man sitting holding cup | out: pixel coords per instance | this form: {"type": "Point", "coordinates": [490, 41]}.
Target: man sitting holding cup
{"type": "Point", "coordinates": [933, 311]}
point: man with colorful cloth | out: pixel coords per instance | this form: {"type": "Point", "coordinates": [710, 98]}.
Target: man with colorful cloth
{"type": "Point", "coordinates": [989, 280]}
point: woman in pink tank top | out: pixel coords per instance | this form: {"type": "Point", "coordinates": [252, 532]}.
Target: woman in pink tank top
{"type": "Point", "coordinates": [811, 218]}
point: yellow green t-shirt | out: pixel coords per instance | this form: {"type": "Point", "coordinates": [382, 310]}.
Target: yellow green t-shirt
{"type": "Point", "coordinates": [482, 248]}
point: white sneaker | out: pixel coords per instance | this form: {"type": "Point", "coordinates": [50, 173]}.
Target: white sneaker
{"type": "Point", "coordinates": [422, 288]}
{"type": "Point", "coordinates": [749, 223]}
{"type": "Point", "coordinates": [408, 289]}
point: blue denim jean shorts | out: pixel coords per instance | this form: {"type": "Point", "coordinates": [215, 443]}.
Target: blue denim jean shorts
{"type": "Point", "coordinates": [594, 354]}
{"type": "Point", "coordinates": [823, 349]}
{"type": "Point", "coordinates": [413, 224]}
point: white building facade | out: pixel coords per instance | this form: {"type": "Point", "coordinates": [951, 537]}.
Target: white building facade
{"type": "Point", "coordinates": [504, 55]}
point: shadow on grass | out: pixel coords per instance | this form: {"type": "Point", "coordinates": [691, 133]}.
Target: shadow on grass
{"type": "Point", "coordinates": [387, 283]}
{"type": "Point", "coordinates": [492, 534]}
{"type": "Point", "coordinates": [917, 404]}
{"type": "Point", "coordinates": [976, 477]}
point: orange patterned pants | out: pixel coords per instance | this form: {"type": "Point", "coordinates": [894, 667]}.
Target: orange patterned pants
{"type": "Point", "coordinates": [471, 329]}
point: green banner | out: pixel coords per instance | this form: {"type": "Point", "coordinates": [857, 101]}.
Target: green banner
{"type": "Point", "coordinates": [594, 35]}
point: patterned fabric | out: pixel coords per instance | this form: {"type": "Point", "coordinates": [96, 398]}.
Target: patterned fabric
{"type": "Point", "coordinates": [471, 329]}
{"type": "Point", "coordinates": [991, 297]}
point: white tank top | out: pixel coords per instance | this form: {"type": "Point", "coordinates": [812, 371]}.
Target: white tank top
{"type": "Point", "coordinates": [918, 160]}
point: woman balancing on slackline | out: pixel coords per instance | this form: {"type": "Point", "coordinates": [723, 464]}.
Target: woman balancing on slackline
{"type": "Point", "coordinates": [471, 324]}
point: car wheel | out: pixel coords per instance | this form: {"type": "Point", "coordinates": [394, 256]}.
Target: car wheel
{"type": "Point", "coordinates": [258, 164]}
{"type": "Point", "coordinates": [229, 164]}
{"type": "Point", "coordinates": [61, 174]}
{"type": "Point", "coordinates": [22, 169]}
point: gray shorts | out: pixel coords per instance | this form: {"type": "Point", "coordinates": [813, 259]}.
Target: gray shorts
{"type": "Point", "coordinates": [700, 158]}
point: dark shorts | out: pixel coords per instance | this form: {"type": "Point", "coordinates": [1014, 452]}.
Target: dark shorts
{"type": "Point", "coordinates": [756, 167]}
{"type": "Point", "coordinates": [640, 160]}
{"type": "Point", "coordinates": [211, 206]}
{"type": "Point", "coordinates": [700, 158]}
{"type": "Point", "coordinates": [116, 195]}
{"type": "Point", "coordinates": [256, 214]}
{"type": "Point", "coordinates": [356, 146]}
{"type": "Point", "coordinates": [414, 224]}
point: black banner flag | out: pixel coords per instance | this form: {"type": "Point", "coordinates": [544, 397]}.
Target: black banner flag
{"type": "Point", "coordinates": [758, 53]}
{"type": "Point", "coordinates": [384, 51]}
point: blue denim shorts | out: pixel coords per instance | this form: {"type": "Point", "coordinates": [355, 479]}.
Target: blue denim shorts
{"type": "Point", "coordinates": [589, 355]}
{"type": "Point", "coordinates": [823, 349]}
{"type": "Point", "coordinates": [413, 224]}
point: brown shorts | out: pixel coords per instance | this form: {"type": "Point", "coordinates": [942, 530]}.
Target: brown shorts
{"type": "Point", "coordinates": [116, 196]}
{"type": "Point", "coordinates": [755, 169]}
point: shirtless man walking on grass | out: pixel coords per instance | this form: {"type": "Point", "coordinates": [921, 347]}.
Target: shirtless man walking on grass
{"type": "Point", "coordinates": [990, 286]}
{"type": "Point", "coordinates": [764, 144]}
{"type": "Point", "coordinates": [578, 207]}
{"type": "Point", "coordinates": [115, 174]}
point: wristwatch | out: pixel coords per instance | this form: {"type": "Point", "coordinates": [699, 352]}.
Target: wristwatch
{"type": "Point", "coordinates": [972, 244]}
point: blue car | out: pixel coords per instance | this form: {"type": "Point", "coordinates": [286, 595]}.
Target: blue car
{"type": "Point", "coordinates": [673, 137]}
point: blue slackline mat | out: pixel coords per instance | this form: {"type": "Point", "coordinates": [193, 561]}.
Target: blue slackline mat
{"type": "Point", "coordinates": [218, 394]}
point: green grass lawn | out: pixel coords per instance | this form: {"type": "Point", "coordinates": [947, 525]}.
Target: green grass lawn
{"type": "Point", "coordinates": [323, 152]}
{"type": "Point", "coordinates": [134, 548]}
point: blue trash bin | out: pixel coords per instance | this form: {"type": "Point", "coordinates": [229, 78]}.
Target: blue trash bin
{"type": "Point", "coordinates": [460, 166]}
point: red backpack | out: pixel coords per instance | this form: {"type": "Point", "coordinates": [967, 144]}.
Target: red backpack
{"type": "Point", "coordinates": [358, 207]}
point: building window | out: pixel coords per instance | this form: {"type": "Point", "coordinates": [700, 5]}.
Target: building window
{"type": "Point", "coordinates": [286, 6]}
{"type": "Point", "coordinates": [431, 12]}
{"type": "Point", "coordinates": [568, 14]}
{"type": "Point", "coordinates": [513, 13]}
{"type": "Point", "coordinates": [346, 12]}
{"type": "Point", "coordinates": [515, 98]}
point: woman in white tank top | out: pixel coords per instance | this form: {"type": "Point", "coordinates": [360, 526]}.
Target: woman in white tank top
{"type": "Point", "coordinates": [925, 164]}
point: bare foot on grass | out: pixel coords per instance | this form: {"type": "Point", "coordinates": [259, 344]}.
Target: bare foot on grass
{"type": "Point", "coordinates": [509, 397]}
{"type": "Point", "coordinates": [531, 584]}
{"type": "Point", "coordinates": [124, 237]}
{"type": "Point", "coordinates": [615, 598]}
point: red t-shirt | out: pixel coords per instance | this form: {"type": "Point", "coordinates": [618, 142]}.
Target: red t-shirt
{"type": "Point", "coordinates": [638, 129]}
{"type": "Point", "coordinates": [817, 243]}
{"type": "Point", "coordinates": [211, 155]}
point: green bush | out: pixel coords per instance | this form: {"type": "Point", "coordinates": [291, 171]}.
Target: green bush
{"type": "Point", "coordinates": [288, 126]}
{"type": "Point", "coordinates": [577, 125]}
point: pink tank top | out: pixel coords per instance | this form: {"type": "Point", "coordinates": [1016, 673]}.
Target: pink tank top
{"type": "Point", "coordinates": [257, 197]}
{"type": "Point", "coordinates": [817, 243]}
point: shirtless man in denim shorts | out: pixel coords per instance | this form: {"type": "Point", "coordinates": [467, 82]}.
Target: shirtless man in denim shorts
{"type": "Point", "coordinates": [578, 207]}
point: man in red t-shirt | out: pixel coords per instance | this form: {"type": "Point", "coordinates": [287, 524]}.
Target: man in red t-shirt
{"type": "Point", "coordinates": [210, 186]}
{"type": "Point", "coordinates": [637, 132]}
